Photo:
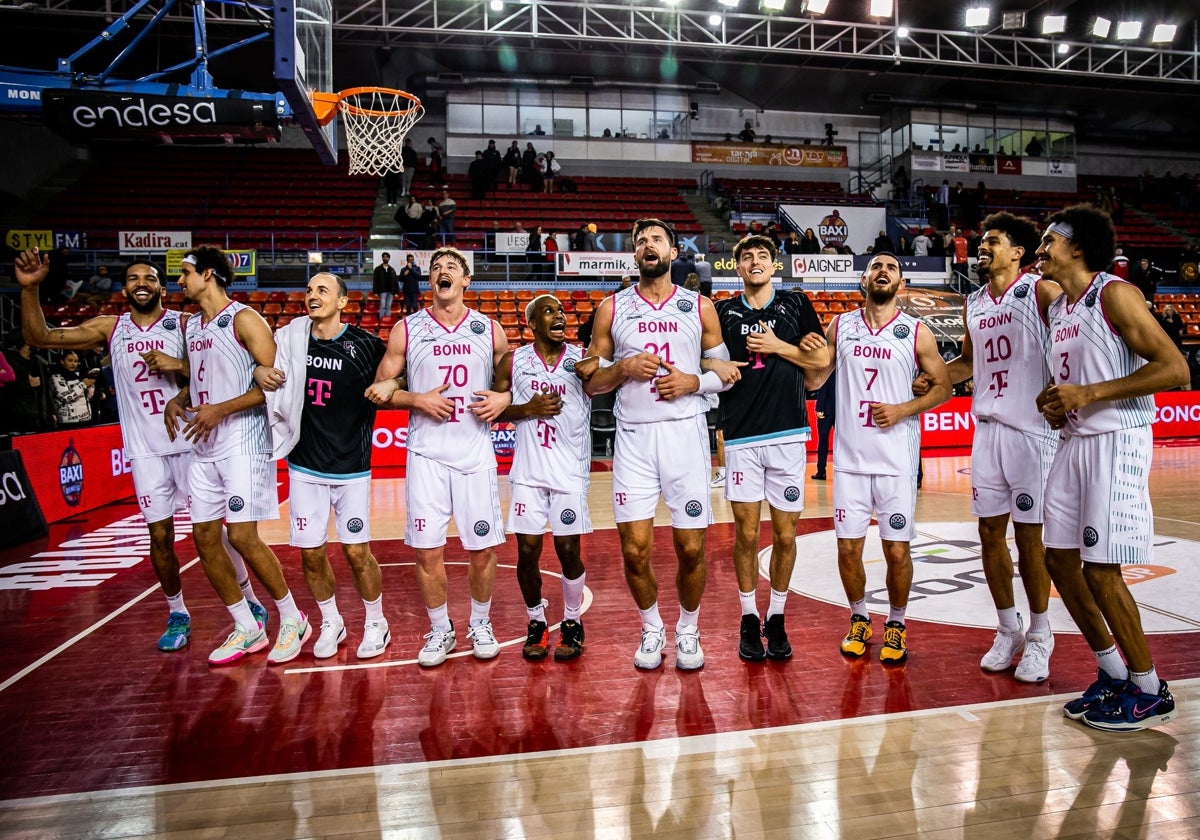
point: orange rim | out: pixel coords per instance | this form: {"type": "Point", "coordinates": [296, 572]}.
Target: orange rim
{"type": "Point", "coordinates": [326, 105]}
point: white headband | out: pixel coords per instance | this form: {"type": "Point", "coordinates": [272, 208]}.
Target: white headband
{"type": "Point", "coordinates": [190, 259]}
{"type": "Point", "coordinates": [1063, 229]}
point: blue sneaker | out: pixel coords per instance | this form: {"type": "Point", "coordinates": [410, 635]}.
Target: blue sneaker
{"type": "Point", "coordinates": [260, 613]}
{"type": "Point", "coordinates": [1097, 693]}
{"type": "Point", "coordinates": [1132, 709]}
{"type": "Point", "coordinates": [179, 627]}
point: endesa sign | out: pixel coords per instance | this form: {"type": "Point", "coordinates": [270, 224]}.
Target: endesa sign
{"type": "Point", "coordinates": [390, 437]}
{"type": "Point", "coordinates": [75, 471]}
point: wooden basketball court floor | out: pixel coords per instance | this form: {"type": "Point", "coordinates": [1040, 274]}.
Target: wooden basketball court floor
{"type": "Point", "coordinates": [101, 735]}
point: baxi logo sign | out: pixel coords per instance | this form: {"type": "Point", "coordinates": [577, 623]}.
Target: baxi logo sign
{"type": "Point", "coordinates": [949, 586]}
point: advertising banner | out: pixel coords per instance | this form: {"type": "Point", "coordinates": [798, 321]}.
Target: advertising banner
{"type": "Point", "coordinates": [76, 470]}
{"type": "Point", "coordinates": [954, 162]}
{"type": "Point", "coordinates": [244, 261]}
{"type": "Point", "coordinates": [139, 242]}
{"type": "Point", "coordinates": [595, 264]}
{"type": "Point", "coordinates": [1007, 165]}
{"type": "Point", "coordinates": [90, 114]}
{"type": "Point", "coordinates": [775, 154]}
{"type": "Point", "coordinates": [390, 437]}
{"type": "Point", "coordinates": [21, 518]}
{"type": "Point", "coordinates": [856, 226]}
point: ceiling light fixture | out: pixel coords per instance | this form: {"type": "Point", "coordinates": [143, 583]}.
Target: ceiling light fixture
{"type": "Point", "coordinates": [1164, 33]}
{"type": "Point", "coordinates": [1101, 27]}
{"type": "Point", "coordinates": [714, 20]}
{"type": "Point", "coordinates": [774, 5]}
{"type": "Point", "coordinates": [902, 32]}
{"type": "Point", "coordinates": [1128, 30]}
{"type": "Point", "coordinates": [1063, 49]}
{"type": "Point", "coordinates": [817, 7]}
{"type": "Point", "coordinates": [881, 8]}
{"type": "Point", "coordinates": [978, 16]}
{"type": "Point", "coordinates": [1054, 24]}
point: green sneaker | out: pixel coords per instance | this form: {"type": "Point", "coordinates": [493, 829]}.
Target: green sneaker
{"type": "Point", "coordinates": [179, 627]}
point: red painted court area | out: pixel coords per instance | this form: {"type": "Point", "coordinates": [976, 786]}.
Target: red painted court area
{"type": "Point", "coordinates": [88, 703]}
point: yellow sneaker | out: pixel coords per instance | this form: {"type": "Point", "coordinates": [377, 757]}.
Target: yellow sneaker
{"type": "Point", "coordinates": [855, 643]}
{"type": "Point", "coordinates": [894, 650]}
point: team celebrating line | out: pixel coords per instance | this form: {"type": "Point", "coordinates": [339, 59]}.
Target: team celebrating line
{"type": "Point", "coordinates": [1065, 359]}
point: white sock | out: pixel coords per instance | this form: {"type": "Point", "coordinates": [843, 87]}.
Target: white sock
{"type": "Point", "coordinates": [778, 602]}
{"type": "Point", "coordinates": [374, 609]}
{"type": "Point", "coordinates": [439, 617]}
{"type": "Point", "coordinates": [239, 568]}
{"type": "Point", "coordinates": [1040, 623]}
{"type": "Point", "coordinates": [329, 610]}
{"type": "Point", "coordinates": [687, 617]}
{"type": "Point", "coordinates": [480, 611]}
{"type": "Point", "coordinates": [1111, 663]}
{"type": "Point", "coordinates": [749, 603]}
{"type": "Point", "coordinates": [288, 609]}
{"type": "Point", "coordinates": [1009, 619]}
{"type": "Point", "coordinates": [242, 615]}
{"type": "Point", "coordinates": [897, 613]}
{"type": "Point", "coordinates": [859, 608]}
{"type": "Point", "coordinates": [573, 597]}
{"type": "Point", "coordinates": [175, 603]}
{"type": "Point", "coordinates": [651, 620]}
{"type": "Point", "coordinates": [1147, 681]}
{"type": "Point", "coordinates": [537, 613]}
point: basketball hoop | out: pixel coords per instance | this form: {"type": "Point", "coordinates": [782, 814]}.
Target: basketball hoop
{"type": "Point", "coordinates": [376, 120]}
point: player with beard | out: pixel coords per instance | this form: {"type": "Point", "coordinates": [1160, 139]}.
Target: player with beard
{"type": "Point", "coordinates": [878, 351]}
{"type": "Point", "coordinates": [649, 340]}
{"type": "Point", "coordinates": [778, 335]}
{"type": "Point", "coordinates": [550, 471]}
{"type": "Point", "coordinates": [1108, 356]}
{"type": "Point", "coordinates": [1006, 323]}
{"type": "Point", "coordinates": [146, 345]}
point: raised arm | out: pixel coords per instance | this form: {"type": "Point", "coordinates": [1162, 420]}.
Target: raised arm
{"type": "Point", "coordinates": [31, 267]}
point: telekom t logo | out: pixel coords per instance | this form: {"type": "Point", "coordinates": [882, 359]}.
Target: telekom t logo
{"type": "Point", "coordinates": [839, 514]}
{"type": "Point", "coordinates": [546, 433]}
{"type": "Point", "coordinates": [999, 382]}
{"type": "Point", "coordinates": [144, 501]}
{"type": "Point", "coordinates": [864, 413]}
{"type": "Point", "coordinates": [418, 524]}
{"type": "Point", "coordinates": [153, 400]}
{"type": "Point", "coordinates": [620, 497]}
{"type": "Point", "coordinates": [520, 507]}
{"type": "Point", "coordinates": [738, 476]}
{"type": "Point", "coordinates": [301, 523]}
{"type": "Point", "coordinates": [320, 390]}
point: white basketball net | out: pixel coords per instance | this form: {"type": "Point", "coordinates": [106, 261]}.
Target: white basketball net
{"type": "Point", "coordinates": [376, 123]}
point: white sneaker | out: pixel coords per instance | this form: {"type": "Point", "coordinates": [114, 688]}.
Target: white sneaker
{"type": "Point", "coordinates": [333, 633]}
{"type": "Point", "coordinates": [1034, 666]}
{"type": "Point", "coordinates": [293, 633]}
{"type": "Point", "coordinates": [719, 478]}
{"type": "Point", "coordinates": [688, 654]}
{"type": "Point", "coordinates": [376, 637]}
{"type": "Point", "coordinates": [483, 640]}
{"type": "Point", "coordinates": [1005, 648]}
{"type": "Point", "coordinates": [649, 653]}
{"type": "Point", "coordinates": [438, 643]}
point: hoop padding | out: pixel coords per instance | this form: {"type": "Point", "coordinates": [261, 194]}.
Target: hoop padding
{"type": "Point", "coordinates": [376, 122]}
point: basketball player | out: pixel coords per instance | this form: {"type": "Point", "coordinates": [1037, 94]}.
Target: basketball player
{"type": "Point", "coordinates": [232, 474]}
{"type": "Point", "coordinates": [322, 424]}
{"type": "Point", "coordinates": [1013, 446]}
{"type": "Point", "coordinates": [649, 339]}
{"type": "Point", "coordinates": [449, 354]}
{"type": "Point", "coordinates": [878, 351]}
{"type": "Point", "coordinates": [778, 334]}
{"type": "Point", "coordinates": [1108, 356]}
{"type": "Point", "coordinates": [550, 471]}
{"type": "Point", "coordinates": [145, 345]}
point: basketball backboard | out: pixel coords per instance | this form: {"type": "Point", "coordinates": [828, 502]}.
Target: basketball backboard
{"type": "Point", "coordinates": [304, 63]}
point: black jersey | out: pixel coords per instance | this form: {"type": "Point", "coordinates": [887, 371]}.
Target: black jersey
{"type": "Point", "coordinates": [338, 421]}
{"type": "Point", "coordinates": [767, 404]}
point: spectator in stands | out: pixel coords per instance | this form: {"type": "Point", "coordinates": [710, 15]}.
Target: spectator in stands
{"type": "Point", "coordinates": [71, 392]}
{"type": "Point", "coordinates": [883, 243]}
{"type": "Point", "coordinates": [1034, 147]}
{"type": "Point", "coordinates": [900, 182]}
{"type": "Point", "coordinates": [385, 283]}
{"type": "Point", "coordinates": [589, 237]}
{"type": "Point", "coordinates": [529, 164]}
{"type": "Point", "coordinates": [409, 217]}
{"type": "Point", "coordinates": [681, 267]}
{"type": "Point", "coordinates": [512, 160]}
{"type": "Point", "coordinates": [1146, 276]}
{"type": "Point", "coordinates": [959, 254]}
{"type": "Point", "coordinates": [921, 243]}
{"type": "Point", "coordinates": [430, 221]}
{"type": "Point", "coordinates": [1172, 325]}
{"type": "Point", "coordinates": [747, 134]}
{"type": "Point", "coordinates": [445, 213]}
{"type": "Point", "coordinates": [27, 405]}
{"type": "Point", "coordinates": [607, 133]}
{"type": "Point", "coordinates": [410, 284]}
{"type": "Point", "coordinates": [550, 169]}
{"type": "Point", "coordinates": [793, 245]}
{"type": "Point", "coordinates": [537, 175]}
{"type": "Point", "coordinates": [104, 397]}
{"type": "Point", "coordinates": [904, 248]}
{"type": "Point", "coordinates": [478, 176]}
{"type": "Point", "coordinates": [551, 248]}
{"type": "Point", "coordinates": [533, 254]}
{"type": "Point", "coordinates": [391, 184]}
{"type": "Point", "coordinates": [692, 282]}
{"type": "Point", "coordinates": [704, 271]}
{"type": "Point", "coordinates": [830, 248]}
{"type": "Point", "coordinates": [1120, 264]}
{"type": "Point", "coordinates": [98, 287]}
{"type": "Point", "coordinates": [772, 233]}
{"type": "Point", "coordinates": [437, 174]}
{"type": "Point", "coordinates": [943, 204]}
{"type": "Point", "coordinates": [408, 157]}
{"type": "Point", "coordinates": [538, 130]}
{"type": "Point", "coordinates": [492, 164]}
{"type": "Point", "coordinates": [809, 244]}
{"type": "Point", "coordinates": [1118, 206]}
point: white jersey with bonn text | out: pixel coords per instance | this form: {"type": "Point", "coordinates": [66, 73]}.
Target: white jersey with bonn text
{"type": "Point", "coordinates": [141, 392]}
{"type": "Point", "coordinates": [552, 452]}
